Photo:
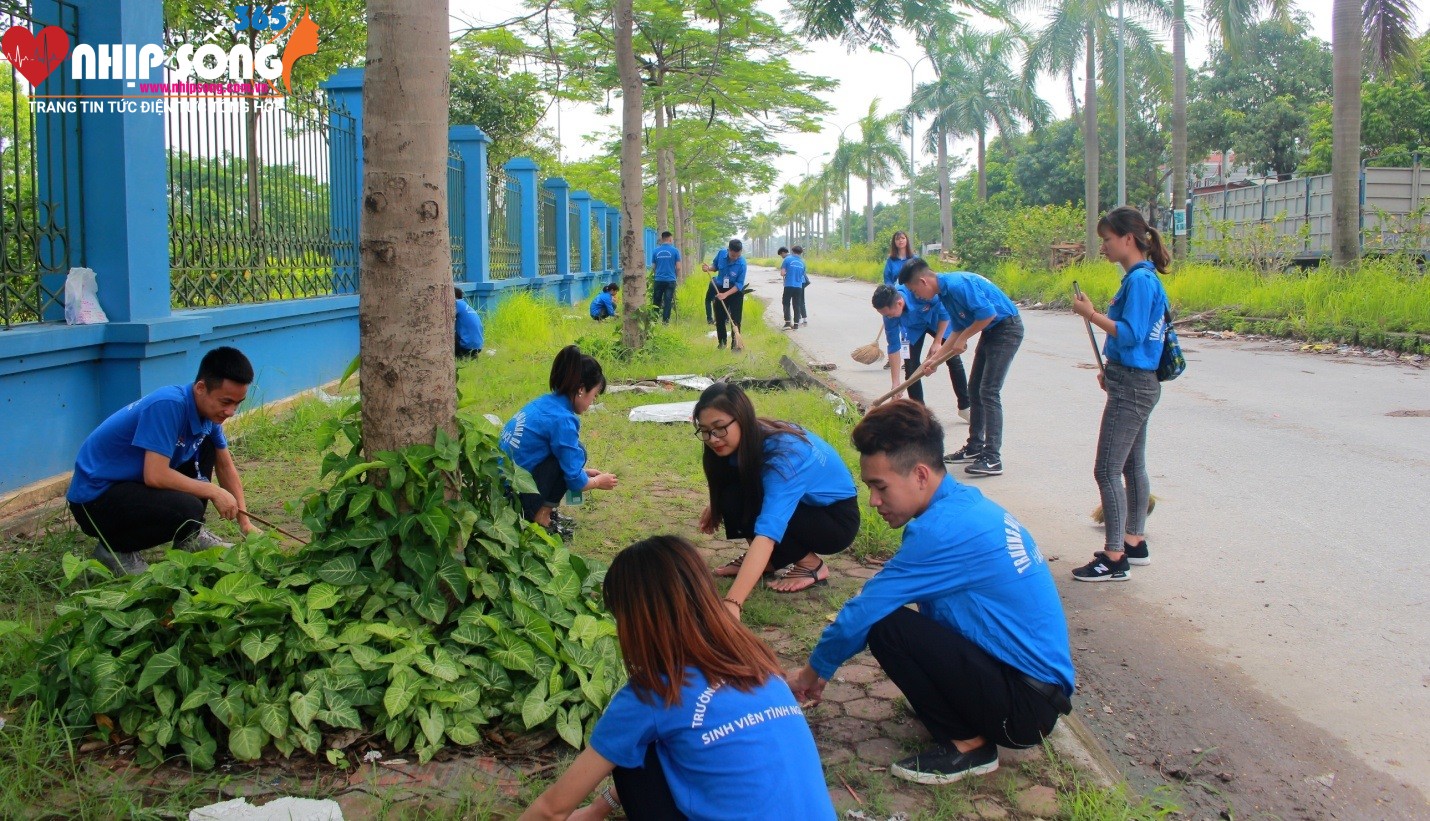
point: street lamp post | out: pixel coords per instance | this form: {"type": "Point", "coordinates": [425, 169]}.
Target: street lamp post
{"type": "Point", "coordinates": [913, 86]}
{"type": "Point", "coordinates": [1121, 110]}
{"type": "Point", "coordinates": [807, 160]}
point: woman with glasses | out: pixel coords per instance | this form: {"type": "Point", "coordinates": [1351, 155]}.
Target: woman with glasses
{"type": "Point", "coordinates": [776, 485]}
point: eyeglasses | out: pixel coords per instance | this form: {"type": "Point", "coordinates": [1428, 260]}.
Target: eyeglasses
{"type": "Point", "coordinates": [714, 431]}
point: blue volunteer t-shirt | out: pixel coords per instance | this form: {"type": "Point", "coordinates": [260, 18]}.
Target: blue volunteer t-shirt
{"type": "Point", "coordinates": [798, 470]}
{"type": "Point", "coordinates": [970, 297]}
{"type": "Point", "coordinates": [603, 306]}
{"type": "Point", "coordinates": [970, 566]}
{"type": "Point", "coordinates": [165, 422]}
{"type": "Point", "coordinates": [892, 267]}
{"type": "Point", "coordinates": [726, 754]}
{"type": "Point", "coordinates": [794, 268]}
{"type": "Point", "coordinates": [920, 317]}
{"type": "Point", "coordinates": [1140, 310]}
{"type": "Point", "coordinates": [728, 274]}
{"type": "Point", "coordinates": [664, 258]}
{"type": "Point", "coordinates": [469, 327]}
{"type": "Point", "coordinates": [547, 426]}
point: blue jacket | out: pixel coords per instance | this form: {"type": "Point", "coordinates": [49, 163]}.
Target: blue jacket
{"type": "Point", "coordinates": [1140, 310]}
{"type": "Point", "coordinates": [798, 470]}
{"type": "Point", "coordinates": [547, 426]}
{"type": "Point", "coordinates": [663, 259]}
{"type": "Point", "coordinates": [728, 274]}
{"type": "Point", "coordinates": [972, 567]}
{"type": "Point", "coordinates": [970, 298]}
{"type": "Point", "coordinates": [919, 317]}
{"type": "Point", "coordinates": [794, 269]}
{"type": "Point", "coordinates": [470, 335]}
{"type": "Point", "coordinates": [892, 267]}
{"type": "Point", "coordinates": [603, 306]}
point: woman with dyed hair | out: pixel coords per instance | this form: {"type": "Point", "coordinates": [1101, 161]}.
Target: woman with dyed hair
{"type": "Point", "coordinates": [776, 485]}
{"type": "Point", "coordinates": [544, 437]}
{"type": "Point", "coordinates": [678, 737]}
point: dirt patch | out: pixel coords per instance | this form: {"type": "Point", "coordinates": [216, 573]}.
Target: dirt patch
{"type": "Point", "coordinates": [1414, 413]}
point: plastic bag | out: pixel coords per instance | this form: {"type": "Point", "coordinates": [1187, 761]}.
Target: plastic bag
{"type": "Point", "coordinates": [82, 298]}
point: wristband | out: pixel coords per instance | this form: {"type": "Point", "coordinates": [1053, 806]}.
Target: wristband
{"type": "Point", "coordinates": [739, 605]}
{"type": "Point", "coordinates": [610, 800]}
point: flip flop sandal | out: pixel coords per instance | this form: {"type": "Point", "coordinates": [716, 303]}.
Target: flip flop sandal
{"type": "Point", "coordinates": [796, 572]}
{"type": "Point", "coordinates": [730, 569]}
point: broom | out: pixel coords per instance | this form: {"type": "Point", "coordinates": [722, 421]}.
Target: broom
{"type": "Point", "coordinates": [932, 364]}
{"type": "Point", "coordinates": [869, 354]}
{"type": "Point", "coordinates": [736, 342]}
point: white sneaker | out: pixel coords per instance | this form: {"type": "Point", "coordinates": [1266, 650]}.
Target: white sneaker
{"type": "Point", "coordinates": [203, 540]}
{"type": "Point", "coordinates": [120, 564]}
{"type": "Point", "coordinates": [966, 415]}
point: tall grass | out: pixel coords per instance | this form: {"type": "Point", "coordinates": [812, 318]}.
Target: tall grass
{"type": "Point", "coordinates": [835, 264]}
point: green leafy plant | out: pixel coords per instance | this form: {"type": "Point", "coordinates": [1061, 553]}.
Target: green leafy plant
{"type": "Point", "coordinates": [423, 611]}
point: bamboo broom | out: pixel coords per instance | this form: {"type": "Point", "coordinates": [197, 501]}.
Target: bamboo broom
{"type": "Point", "coordinates": [932, 364]}
{"type": "Point", "coordinates": [869, 354]}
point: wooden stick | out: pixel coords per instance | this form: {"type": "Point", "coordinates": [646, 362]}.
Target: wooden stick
{"type": "Point", "coordinates": [272, 526]}
{"type": "Point", "coordinates": [942, 357]}
{"type": "Point", "coordinates": [857, 799]}
{"type": "Point", "coordinates": [735, 337]}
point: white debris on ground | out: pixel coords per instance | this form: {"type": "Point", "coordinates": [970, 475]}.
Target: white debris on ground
{"type": "Point", "coordinates": [280, 809]}
{"type": "Point", "coordinates": [840, 406]}
{"type": "Point", "coordinates": [666, 412]}
{"type": "Point", "coordinates": [688, 380]}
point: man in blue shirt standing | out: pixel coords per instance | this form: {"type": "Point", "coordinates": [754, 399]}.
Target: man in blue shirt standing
{"type": "Point", "coordinates": [728, 284]}
{"type": "Point", "coordinates": [142, 478]}
{"type": "Point", "coordinates": [975, 306]}
{"type": "Point", "coordinates": [666, 261]}
{"type": "Point", "coordinates": [984, 661]}
{"type": "Point", "coordinates": [792, 267]}
{"type": "Point", "coordinates": [470, 335]}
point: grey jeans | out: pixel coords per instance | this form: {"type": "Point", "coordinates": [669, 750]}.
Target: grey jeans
{"type": "Point", "coordinates": [991, 360]}
{"type": "Point", "coordinates": [1121, 466]}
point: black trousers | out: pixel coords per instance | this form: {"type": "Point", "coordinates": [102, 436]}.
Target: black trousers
{"type": "Point", "coordinates": [735, 305]}
{"type": "Point", "coordinates": [664, 296]}
{"type": "Point", "coordinates": [956, 373]}
{"type": "Point", "coordinates": [822, 530]}
{"type": "Point", "coordinates": [550, 487]}
{"type": "Point", "coordinates": [710, 308]}
{"type": "Point", "coordinates": [791, 299]}
{"type": "Point", "coordinates": [803, 306]}
{"type": "Point", "coordinates": [644, 792]}
{"type": "Point", "coordinates": [956, 689]}
{"type": "Point", "coordinates": [130, 516]}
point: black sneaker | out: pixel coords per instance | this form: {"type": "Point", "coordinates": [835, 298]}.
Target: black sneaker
{"type": "Point", "coordinates": [788, 326]}
{"type": "Point", "coordinates": [963, 454]}
{"type": "Point", "coordinates": [1137, 555]}
{"type": "Point", "coordinates": [1102, 569]}
{"type": "Point", "coordinates": [945, 765]}
{"type": "Point", "coordinates": [120, 563]}
{"type": "Point", "coordinates": [985, 466]}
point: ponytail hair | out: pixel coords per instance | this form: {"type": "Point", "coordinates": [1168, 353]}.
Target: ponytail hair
{"type": "Point", "coordinates": [1124, 220]}
{"type": "Point", "coordinates": [572, 371]}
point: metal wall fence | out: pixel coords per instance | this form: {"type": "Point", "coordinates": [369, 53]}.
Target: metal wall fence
{"type": "Point", "coordinates": [505, 239]}
{"type": "Point", "coordinates": [599, 260]}
{"type": "Point", "coordinates": [457, 213]}
{"type": "Point", "coordinates": [249, 201]}
{"type": "Point", "coordinates": [40, 231]}
{"type": "Point", "coordinates": [546, 220]}
{"type": "Point", "coordinates": [573, 230]}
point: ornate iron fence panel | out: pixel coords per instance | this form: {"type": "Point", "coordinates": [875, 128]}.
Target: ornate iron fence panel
{"type": "Point", "coordinates": [250, 216]}
{"type": "Point", "coordinates": [505, 227]}
{"type": "Point", "coordinates": [573, 232]}
{"type": "Point", "coordinates": [546, 233]}
{"type": "Point", "coordinates": [41, 232]}
{"type": "Point", "coordinates": [457, 213]}
{"type": "Point", "coordinates": [598, 244]}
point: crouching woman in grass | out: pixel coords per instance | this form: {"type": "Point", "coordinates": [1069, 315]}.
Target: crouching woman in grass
{"type": "Point", "coordinates": [544, 437]}
{"type": "Point", "coordinates": [776, 485]}
{"type": "Point", "coordinates": [706, 721]}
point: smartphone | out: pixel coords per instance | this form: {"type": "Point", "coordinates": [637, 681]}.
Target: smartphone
{"type": "Point", "coordinates": [1076, 290]}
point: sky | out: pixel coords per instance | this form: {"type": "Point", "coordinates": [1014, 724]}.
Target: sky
{"type": "Point", "coordinates": [862, 76]}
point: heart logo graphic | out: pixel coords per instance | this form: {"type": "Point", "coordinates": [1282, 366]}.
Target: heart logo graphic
{"type": "Point", "coordinates": [35, 56]}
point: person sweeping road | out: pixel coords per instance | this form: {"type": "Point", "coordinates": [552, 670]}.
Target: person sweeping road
{"type": "Point", "coordinates": [728, 286]}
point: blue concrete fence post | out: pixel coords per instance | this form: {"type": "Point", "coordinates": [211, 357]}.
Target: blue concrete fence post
{"type": "Point", "coordinates": [344, 91]}
{"type": "Point", "coordinates": [470, 143]}
{"type": "Point", "coordinates": [583, 221]}
{"type": "Point", "coordinates": [598, 249]}
{"type": "Point", "coordinates": [523, 171]}
{"type": "Point", "coordinates": [650, 240]}
{"type": "Point", "coordinates": [561, 192]}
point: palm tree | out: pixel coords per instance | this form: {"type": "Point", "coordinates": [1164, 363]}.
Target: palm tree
{"type": "Point", "coordinates": [1384, 26]}
{"type": "Point", "coordinates": [875, 157]}
{"type": "Point", "coordinates": [1086, 30]}
{"type": "Point", "coordinates": [976, 88]}
{"type": "Point", "coordinates": [759, 231]}
{"type": "Point", "coordinates": [838, 171]}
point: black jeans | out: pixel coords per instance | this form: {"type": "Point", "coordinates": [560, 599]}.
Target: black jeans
{"type": "Point", "coordinates": [664, 296]}
{"type": "Point", "coordinates": [790, 299]}
{"type": "Point", "coordinates": [130, 516]}
{"type": "Point", "coordinates": [956, 689]}
{"type": "Point", "coordinates": [644, 792]}
{"type": "Point", "coordinates": [955, 373]}
{"type": "Point", "coordinates": [1121, 466]}
{"type": "Point", "coordinates": [735, 305]}
{"type": "Point", "coordinates": [710, 308]}
{"type": "Point", "coordinates": [822, 530]}
{"type": "Point", "coordinates": [994, 356]}
{"type": "Point", "coordinates": [550, 487]}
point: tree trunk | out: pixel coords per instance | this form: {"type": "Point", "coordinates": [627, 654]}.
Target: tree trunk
{"type": "Point", "coordinates": [982, 166]}
{"type": "Point", "coordinates": [1072, 95]}
{"type": "Point", "coordinates": [632, 239]}
{"type": "Point", "coordinates": [1090, 147]}
{"type": "Point", "coordinates": [1179, 116]}
{"type": "Point", "coordinates": [677, 207]}
{"type": "Point", "coordinates": [1345, 132]}
{"type": "Point", "coordinates": [259, 259]}
{"type": "Point", "coordinates": [945, 199]}
{"type": "Point", "coordinates": [405, 308]}
{"type": "Point", "coordinates": [869, 209]}
{"type": "Point", "coordinates": [662, 176]}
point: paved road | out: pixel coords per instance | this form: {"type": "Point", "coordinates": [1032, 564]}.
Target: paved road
{"type": "Point", "coordinates": [1288, 595]}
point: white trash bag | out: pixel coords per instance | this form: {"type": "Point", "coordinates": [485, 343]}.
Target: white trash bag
{"type": "Point", "coordinates": [82, 298]}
